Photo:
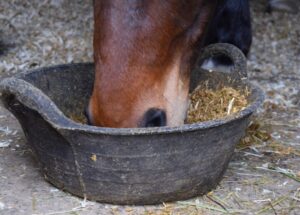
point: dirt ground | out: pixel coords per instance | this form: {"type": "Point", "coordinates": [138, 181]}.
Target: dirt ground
{"type": "Point", "coordinates": [264, 174]}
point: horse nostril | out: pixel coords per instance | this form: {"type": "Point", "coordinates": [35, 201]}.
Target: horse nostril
{"type": "Point", "coordinates": [154, 117]}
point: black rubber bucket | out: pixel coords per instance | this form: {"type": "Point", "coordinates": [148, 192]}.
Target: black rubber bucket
{"type": "Point", "coordinates": [125, 166]}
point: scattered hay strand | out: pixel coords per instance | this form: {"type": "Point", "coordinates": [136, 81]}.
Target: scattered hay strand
{"type": "Point", "coordinates": [216, 198]}
{"type": "Point", "coordinates": [282, 149]}
{"type": "Point", "coordinates": [272, 204]}
{"type": "Point", "coordinates": [219, 209]}
{"type": "Point", "coordinates": [286, 172]}
{"type": "Point", "coordinates": [216, 201]}
{"type": "Point", "coordinates": [255, 135]}
{"type": "Point", "coordinates": [5, 143]}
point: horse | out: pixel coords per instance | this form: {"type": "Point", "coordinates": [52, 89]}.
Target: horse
{"type": "Point", "coordinates": [143, 52]}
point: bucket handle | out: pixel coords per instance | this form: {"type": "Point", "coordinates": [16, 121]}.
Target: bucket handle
{"type": "Point", "coordinates": [235, 55]}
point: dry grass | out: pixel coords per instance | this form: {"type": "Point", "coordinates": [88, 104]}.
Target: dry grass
{"type": "Point", "coordinates": [255, 135]}
{"type": "Point", "coordinates": [207, 104]}
{"type": "Point", "coordinates": [78, 118]}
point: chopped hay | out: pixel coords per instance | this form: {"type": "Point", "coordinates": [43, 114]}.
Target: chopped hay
{"type": "Point", "coordinates": [79, 118]}
{"type": "Point", "coordinates": [207, 104]}
{"type": "Point", "coordinates": [255, 135]}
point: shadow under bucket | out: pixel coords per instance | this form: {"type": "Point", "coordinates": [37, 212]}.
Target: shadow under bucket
{"type": "Point", "coordinates": [125, 166]}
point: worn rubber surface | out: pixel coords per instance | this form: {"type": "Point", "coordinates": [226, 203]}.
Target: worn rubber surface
{"type": "Point", "coordinates": [123, 166]}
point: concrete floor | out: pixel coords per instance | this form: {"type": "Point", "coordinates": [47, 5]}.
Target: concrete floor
{"type": "Point", "coordinates": [43, 33]}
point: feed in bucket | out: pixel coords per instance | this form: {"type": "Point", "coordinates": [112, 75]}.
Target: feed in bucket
{"type": "Point", "coordinates": [206, 104]}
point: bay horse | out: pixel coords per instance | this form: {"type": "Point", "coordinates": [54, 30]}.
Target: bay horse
{"type": "Point", "coordinates": [143, 53]}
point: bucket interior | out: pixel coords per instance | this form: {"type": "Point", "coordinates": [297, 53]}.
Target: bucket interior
{"type": "Point", "coordinates": [70, 86]}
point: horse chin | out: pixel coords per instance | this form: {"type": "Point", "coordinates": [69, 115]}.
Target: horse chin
{"type": "Point", "coordinates": [178, 116]}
